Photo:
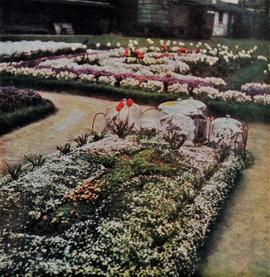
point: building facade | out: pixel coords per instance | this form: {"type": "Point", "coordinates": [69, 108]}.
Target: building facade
{"type": "Point", "coordinates": [172, 18]}
{"type": "Point", "coordinates": [51, 16]}
{"type": "Point", "coordinates": [182, 18]}
{"type": "Point", "coordinates": [232, 20]}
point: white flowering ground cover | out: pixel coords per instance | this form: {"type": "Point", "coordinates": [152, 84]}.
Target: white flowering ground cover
{"type": "Point", "coordinates": [197, 70]}
{"type": "Point", "coordinates": [114, 206]}
{"type": "Point", "coordinates": [10, 51]}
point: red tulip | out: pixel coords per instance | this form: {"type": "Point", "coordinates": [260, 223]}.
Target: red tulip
{"type": "Point", "coordinates": [140, 55]}
{"type": "Point", "coordinates": [183, 50]}
{"type": "Point", "coordinates": [120, 106]}
{"type": "Point", "coordinates": [126, 53]}
{"type": "Point", "coordinates": [130, 102]}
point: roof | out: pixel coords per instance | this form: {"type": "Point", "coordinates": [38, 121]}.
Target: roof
{"type": "Point", "coordinates": [220, 6]}
{"type": "Point", "coordinates": [228, 7]}
{"type": "Point", "coordinates": [197, 3]}
{"type": "Point", "coordinates": [98, 3]}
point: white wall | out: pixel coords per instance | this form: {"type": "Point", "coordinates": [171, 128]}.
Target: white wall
{"type": "Point", "coordinates": [227, 1]}
{"type": "Point", "coordinates": [231, 1]}
{"type": "Point", "coordinates": [221, 28]}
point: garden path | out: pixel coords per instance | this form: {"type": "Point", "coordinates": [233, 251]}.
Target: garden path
{"type": "Point", "coordinates": [74, 115]}
{"type": "Point", "coordinates": [240, 245]}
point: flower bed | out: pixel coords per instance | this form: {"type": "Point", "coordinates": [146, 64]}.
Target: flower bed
{"type": "Point", "coordinates": [158, 69]}
{"type": "Point", "coordinates": [12, 98]}
{"type": "Point", "coordinates": [18, 107]}
{"type": "Point", "coordinates": [113, 206]}
{"type": "Point", "coordinates": [11, 51]}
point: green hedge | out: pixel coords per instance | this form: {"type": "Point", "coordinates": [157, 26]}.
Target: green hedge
{"type": "Point", "coordinates": [25, 115]}
{"type": "Point", "coordinates": [251, 112]}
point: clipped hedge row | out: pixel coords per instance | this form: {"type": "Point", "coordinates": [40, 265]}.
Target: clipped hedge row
{"type": "Point", "coordinates": [252, 112]}
{"type": "Point", "coordinates": [25, 115]}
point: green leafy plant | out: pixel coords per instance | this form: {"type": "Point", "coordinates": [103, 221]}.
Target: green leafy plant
{"type": "Point", "coordinates": [223, 153]}
{"type": "Point", "coordinates": [142, 167]}
{"type": "Point", "coordinates": [107, 161]}
{"type": "Point", "coordinates": [14, 171]}
{"type": "Point", "coordinates": [64, 148]}
{"type": "Point", "coordinates": [122, 128]}
{"type": "Point", "coordinates": [147, 133]}
{"type": "Point", "coordinates": [97, 135]}
{"type": "Point", "coordinates": [174, 139]}
{"type": "Point", "coordinates": [81, 140]}
{"type": "Point", "coordinates": [35, 159]}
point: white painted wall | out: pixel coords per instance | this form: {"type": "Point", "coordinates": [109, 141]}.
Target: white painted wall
{"type": "Point", "coordinates": [227, 1]}
{"type": "Point", "coordinates": [221, 28]}
{"type": "Point", "coordinates": [231, 1]}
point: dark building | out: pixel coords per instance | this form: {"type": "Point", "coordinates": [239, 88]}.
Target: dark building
{"type": "Point", "coordinates": [52, 16]}
{"type": "Point", "coordinates": [179, 18]}
{"type": "Point", "coordinates": [186, 18]}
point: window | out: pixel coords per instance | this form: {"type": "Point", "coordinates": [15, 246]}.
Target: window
{"type": "Point", "coordinates": [220, 17]}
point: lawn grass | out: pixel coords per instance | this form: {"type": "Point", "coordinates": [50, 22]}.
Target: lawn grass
{"type": "Point", "coordinates": [254, 72]}
{"type": "Point", "coordinates": [25, 115]}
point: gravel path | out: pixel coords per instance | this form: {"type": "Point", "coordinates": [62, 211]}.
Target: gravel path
{"type": "Point", "coordinates": [240, 245]}
{"type": "Point", "coordinates": [74, 115]}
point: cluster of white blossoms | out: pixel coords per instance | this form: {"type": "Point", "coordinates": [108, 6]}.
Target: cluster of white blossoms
{"type": "Point", "coordinates": [66, 75]}
{"type": "Point", "coordinates": [18, 49]}
{"type": "Point", "coordinates": [235, 95]}
{"type": "Point", "coordinates": [263, 99]}
{"type": "Point", "coordinates": [130, 83]}
{"type": "Point", "coordinates": [88, 78]}
{"type": "Point", "coordinates": [153, 86]}
{"type": "Point", "coordinates": [107, 80]}
{"type": "Point", "coordinates": [209, 92]}
{"type": "Point", "coordinates": [178, 88]}
{"type": "Point", "coordinates": [256, 88]}
{"type": "Point", "coordinates": [262, 58]}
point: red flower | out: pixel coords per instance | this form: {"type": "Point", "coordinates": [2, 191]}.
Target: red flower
{"type": "Point", "coordinates": [130, 102]}
{"type": "Point", "coordinates": [140, 56]}
{"type": "Point", "coordinates": [120, 106]}
{"type": "Point", "coordinates": [198, 50]}
{"type": "Point", "coordinates": [183, 50]}
{"type": "Point", "coordinates": [126, 53]}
